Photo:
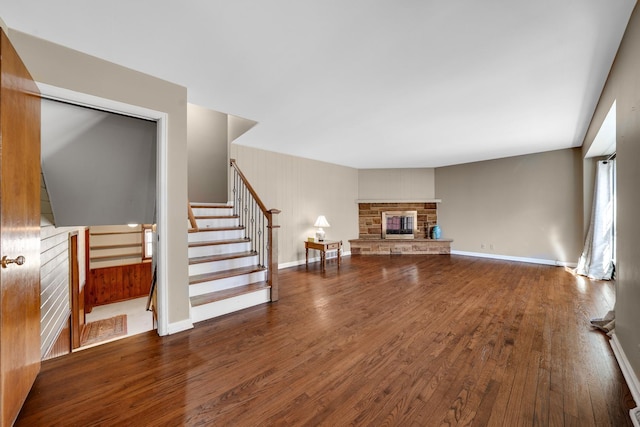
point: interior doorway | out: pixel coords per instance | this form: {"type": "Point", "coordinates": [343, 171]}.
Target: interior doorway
{"type": "Point", "coordinates": [159, 121]}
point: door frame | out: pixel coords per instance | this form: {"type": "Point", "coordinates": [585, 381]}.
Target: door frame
{"type": "Point", "coordinates": [74, 284]}
{"type": "Point", "coordinates": [161, 118]}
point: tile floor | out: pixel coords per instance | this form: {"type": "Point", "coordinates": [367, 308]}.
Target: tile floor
{"type": "Point", "coordinates": [138, 318]}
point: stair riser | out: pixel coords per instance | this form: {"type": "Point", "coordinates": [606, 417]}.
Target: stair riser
{"type": "Point", "coordinates": [219, 249]}
{"type": "Point", "coordinates": [216, 222]}
{"type": "Point", "coordinates": [212, 211]}
{"type": "Point", "coordinates": [215, 235]}
{"type": "Point", "coordinates": [226, 283]}
{"type": "Point", "coordinates": [226, 264]}
{"type": "Point", "coordinates": [220, 308]}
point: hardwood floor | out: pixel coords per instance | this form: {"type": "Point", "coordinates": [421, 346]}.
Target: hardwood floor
{"type": "Point", "coordinates": [401, 340]}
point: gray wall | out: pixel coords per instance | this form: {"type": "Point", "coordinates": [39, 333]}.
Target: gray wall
{"type": "Point", "coordinates": [69, 69]}
{"type": "Point", "coordinates": [207, 133]}
{"type": "Point", "coordinates": [525, 206]}
{"type": "Point", "coordinates": [623, 86]}
{"type": "Point", "coordinates": [100, 167]}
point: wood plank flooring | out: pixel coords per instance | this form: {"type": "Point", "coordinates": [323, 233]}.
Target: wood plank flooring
{"type": "Point", "coordinates": [385, 340]}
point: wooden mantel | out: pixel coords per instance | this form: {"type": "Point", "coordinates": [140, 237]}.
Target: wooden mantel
{"type": "Point", "coordinates": [398, 201]}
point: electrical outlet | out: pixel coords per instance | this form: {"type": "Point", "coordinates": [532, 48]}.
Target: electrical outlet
{"type": "Point", "coordinates": [491, 246]}
{"type": "Point", "coordinates": [482, 245]}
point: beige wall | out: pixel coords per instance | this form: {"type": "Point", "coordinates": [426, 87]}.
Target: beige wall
{"type": "Point", "coordinates": [207, 132]}
{"type": "Point", "coordinates": [525, 206]}
{"type": "Point", "coordinates": [396, 184]}
{"type": "Point", "coordinates": [65, 68]}
{"type": "Point", "coordinates": [302, 189]}
{"type": "Point", "coordinates": [623, 86]}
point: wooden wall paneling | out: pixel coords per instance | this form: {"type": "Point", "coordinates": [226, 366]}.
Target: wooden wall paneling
{"type": "Point", "coordinates": [62, 344]}
{"type": "Point", "coordinates": [54, 283]}
{"type": "Point", "coordinates": [119, 283]}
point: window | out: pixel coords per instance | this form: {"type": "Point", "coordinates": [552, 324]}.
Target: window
{"type": "Point", "coordinates": [147, 241]}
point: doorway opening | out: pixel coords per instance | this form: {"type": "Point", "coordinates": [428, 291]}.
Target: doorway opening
{"type": "Point", "coordinates": [158, 259]}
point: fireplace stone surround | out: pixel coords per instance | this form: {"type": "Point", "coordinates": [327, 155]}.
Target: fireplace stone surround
{"type": "Point", "coordinates": [371, 241]}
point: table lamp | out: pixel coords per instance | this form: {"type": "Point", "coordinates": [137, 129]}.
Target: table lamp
{"type": "Point", "coordinates": [321, 222]}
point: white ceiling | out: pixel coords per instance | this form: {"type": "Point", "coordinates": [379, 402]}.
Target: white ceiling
{"type": "Point", "coordinates": [364, 83]}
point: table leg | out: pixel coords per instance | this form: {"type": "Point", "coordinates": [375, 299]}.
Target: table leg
{"type": "Point", "coordinates": [339, 253]}
{"type": "Point", "coordinates": [306, 257]}
{"type": "Point", "coordinates": [323, 259]}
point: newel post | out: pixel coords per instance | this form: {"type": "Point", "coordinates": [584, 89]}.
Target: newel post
{"type": "Point", "coordinates": [272, 278]}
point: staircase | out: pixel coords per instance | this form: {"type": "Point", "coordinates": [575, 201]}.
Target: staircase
{"type": "Point", "coordinates": [225, 273]}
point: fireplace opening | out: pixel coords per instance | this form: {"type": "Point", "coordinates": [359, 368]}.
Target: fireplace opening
{"type": "Point", "coordinates": [399, 224]}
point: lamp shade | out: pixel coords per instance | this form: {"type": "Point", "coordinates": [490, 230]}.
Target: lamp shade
{"type": "Point", "coordinates": [321, 222]}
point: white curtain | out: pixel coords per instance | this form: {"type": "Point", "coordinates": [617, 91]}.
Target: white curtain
{"type": "Point", "coordinates": [597, 259]}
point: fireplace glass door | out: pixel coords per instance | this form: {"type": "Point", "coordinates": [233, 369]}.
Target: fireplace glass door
{"type": "Point", "coordinates": [399, 224]}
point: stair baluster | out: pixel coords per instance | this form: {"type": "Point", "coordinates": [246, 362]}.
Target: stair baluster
{"type": "Point", "coordinates": [260, 225]}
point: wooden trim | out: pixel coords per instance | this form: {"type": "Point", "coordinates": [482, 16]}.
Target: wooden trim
{"type": "Point", "coordinates": [272, 234]}
{"type": "Point", "coordinates": [192, 218]}
{"type": "Point", "coordinates": [244, 179]}
{"type": "Point", "coordinates": [74, 283]}
{"type": "Point", "coordinates": [272, 263]}
{"type": "Point", "coordinates": [87, 267]}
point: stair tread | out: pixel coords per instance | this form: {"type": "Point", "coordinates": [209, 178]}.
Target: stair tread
{"type": "Point", "coordinates": [199, 278]}
{"type": "Point", "coordinates": [193, 230]}
{"type": "Point", "coordinates": [227, 293]}
{"type": "Point", "coordinates": [217, 242]}
{"type": "Point", "coordinates": [216, 216]}
{"type": "Point", "coordinates": [210, 205]}
{"type": "Point", "coordinates": [221, 257]}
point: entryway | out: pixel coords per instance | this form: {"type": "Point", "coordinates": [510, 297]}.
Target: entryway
{"type": "Point", "coordinates": [105, 254]}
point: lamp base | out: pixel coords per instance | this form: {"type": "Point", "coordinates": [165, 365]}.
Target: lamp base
{"type": "Point", "coordinates": [320, 235]}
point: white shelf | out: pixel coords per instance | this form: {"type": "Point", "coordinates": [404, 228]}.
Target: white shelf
{"type": "Point", "coordinates": [399, 201]}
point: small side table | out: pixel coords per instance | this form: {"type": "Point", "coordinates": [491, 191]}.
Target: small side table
{"type": "Point", "coordinates": [323, 247]}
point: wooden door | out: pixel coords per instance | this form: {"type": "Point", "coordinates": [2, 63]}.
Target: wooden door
{"type": "Point", "coordinates": [19, 232]}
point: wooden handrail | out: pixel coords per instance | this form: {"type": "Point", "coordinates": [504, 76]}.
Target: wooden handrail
{"type": "Point", "coordinates": [192, 218]}
{"type": "Point", "coordinates": [271, 229]}
{"type": "Point", "coordinates": [250, 188]}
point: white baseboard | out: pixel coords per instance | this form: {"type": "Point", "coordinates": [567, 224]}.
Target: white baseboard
{"type": "Point", "coordinates": [625, 366]}
{"type": "Point", "coordinates": [183, 325]}
{"type": "Point", "coordinates": [464, 253]}
{"type": "Point", "coordinates": [302, 262]}
{"type": "Point", "coordinates": [516, 258]}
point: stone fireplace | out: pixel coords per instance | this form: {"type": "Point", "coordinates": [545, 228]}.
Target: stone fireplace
{"type": "Point", "coordinates": [370, 217]}
{"type": "Point", "coordinates": [410, 224]}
